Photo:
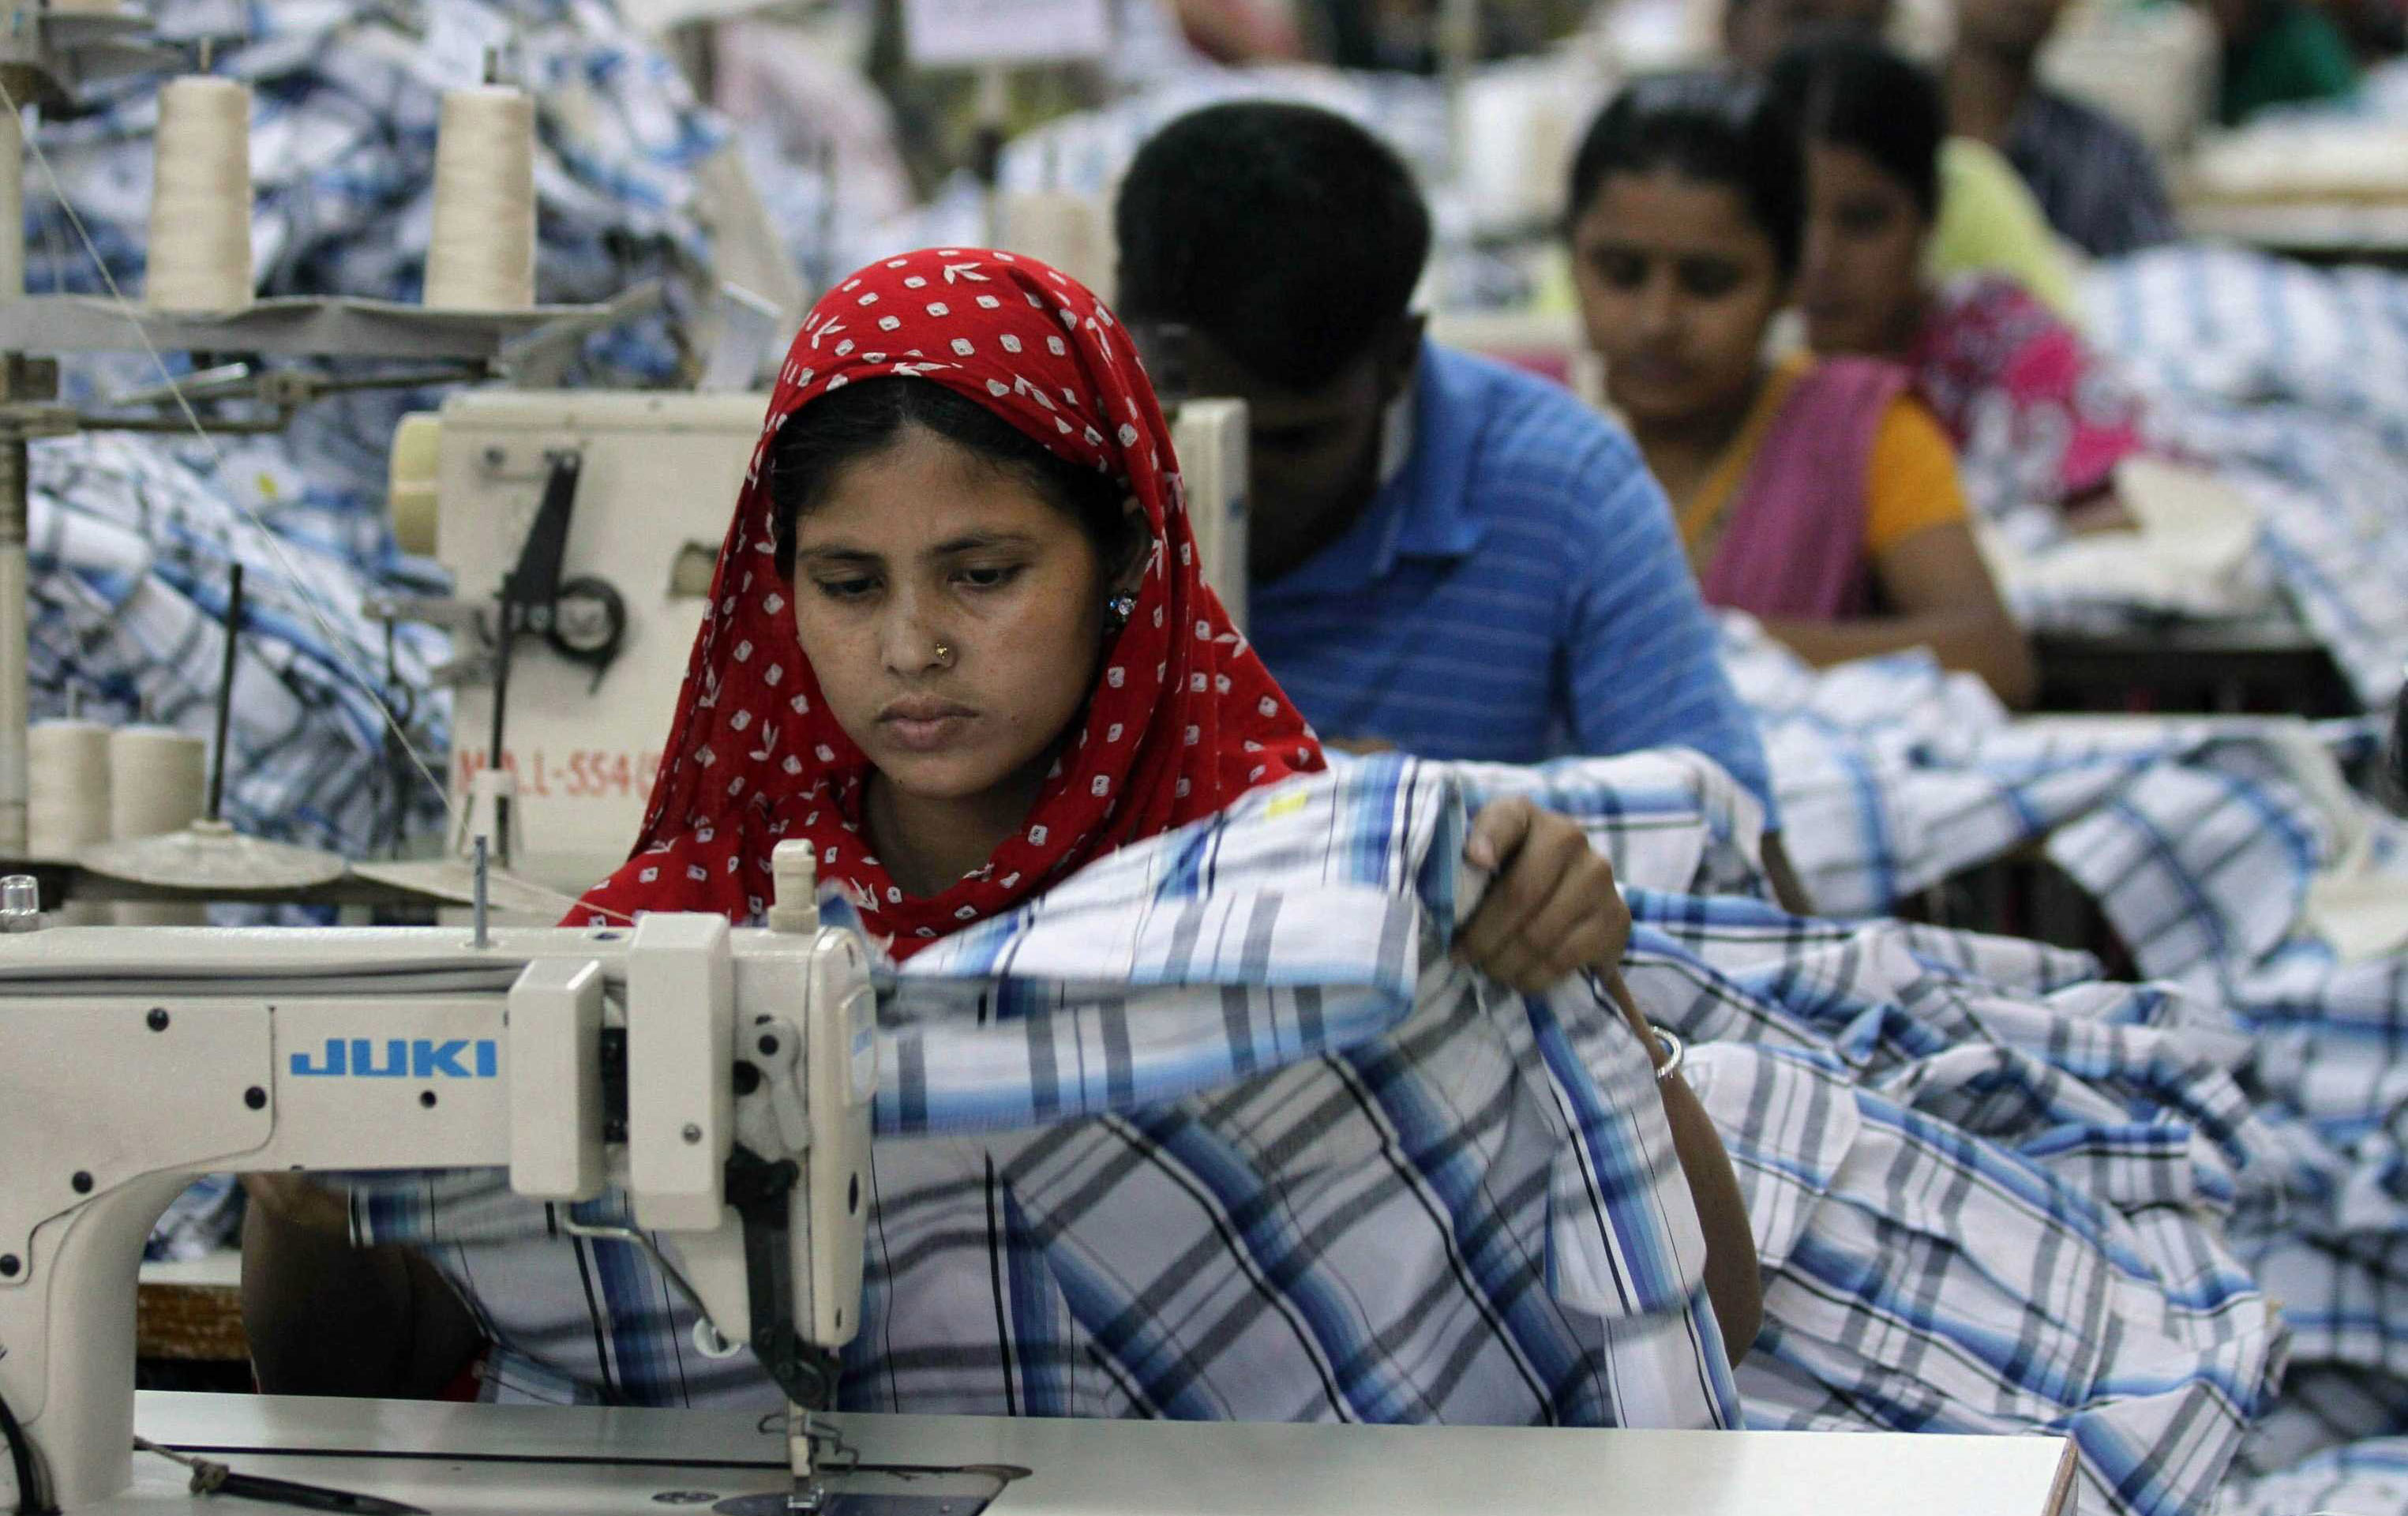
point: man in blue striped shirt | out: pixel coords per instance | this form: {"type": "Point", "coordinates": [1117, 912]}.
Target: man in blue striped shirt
{"type": "Point", "coordinates": [1446, 556]}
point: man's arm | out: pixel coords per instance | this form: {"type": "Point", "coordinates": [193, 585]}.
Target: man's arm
{"type": "Point", "coordinates": [1642, 656]}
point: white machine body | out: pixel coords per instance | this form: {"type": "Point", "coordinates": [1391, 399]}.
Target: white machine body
{"type": "Point", "coordinates": [1210, 437]}
{"type": "Point", "coordinates": [659, 475]}
{"type": "Point", "coordinates": [133, 1059]}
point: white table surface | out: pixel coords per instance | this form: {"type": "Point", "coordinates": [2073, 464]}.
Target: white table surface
{"type": "Point", "coordinates": [218, 1270]}
{"type": "Point", "coordinates": [470, 1460]}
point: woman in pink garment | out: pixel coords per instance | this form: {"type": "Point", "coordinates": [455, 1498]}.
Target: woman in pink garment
{"type": "Point", "coordinates": [2036, 416]}
{"type": "Point", "coordinates": [1815, 494]}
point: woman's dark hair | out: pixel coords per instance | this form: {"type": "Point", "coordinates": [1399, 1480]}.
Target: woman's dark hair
{"type": "Point", "coordinates": [1712, 128]}
{"type": "Point", "coordinates": [1846, 91]}
{"type": "Point", "coordinates": [836, 431]}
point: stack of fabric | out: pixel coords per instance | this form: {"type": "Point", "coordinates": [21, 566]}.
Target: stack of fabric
{"type": "Point", "coordinates": [2291, 385]}
{"type": "Point", "coordinates": [2264, 899]}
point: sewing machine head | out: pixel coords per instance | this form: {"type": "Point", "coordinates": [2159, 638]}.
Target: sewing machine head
{"type": "Point", "coordinates": [722, 1078]}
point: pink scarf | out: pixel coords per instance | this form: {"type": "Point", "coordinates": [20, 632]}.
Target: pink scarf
{"type": "Point", "coordinates": [1793, 542]}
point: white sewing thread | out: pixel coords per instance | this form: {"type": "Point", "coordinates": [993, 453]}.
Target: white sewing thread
{"type": "Point", "coordinates": [158, 781]}
{"type": "Point", "coordinates": [483, 257]}
{"type": "Point", "coordinates": [200, 198]}
{"type": "Point", "coordinates": [67, 799]}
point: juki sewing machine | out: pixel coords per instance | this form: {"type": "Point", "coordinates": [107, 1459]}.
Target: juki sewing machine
{"type": "Point", "coordinates": [722, 1078]}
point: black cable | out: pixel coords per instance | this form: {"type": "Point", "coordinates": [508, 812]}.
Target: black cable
{"type": "Point", "coordinates": [497, 756]}
{"type": "Point", "coordinates": [225, 689]}
{"type": "Point", "coordinates": [493, 748]}
{"type": "Point", "coordinates": [30, 1498]}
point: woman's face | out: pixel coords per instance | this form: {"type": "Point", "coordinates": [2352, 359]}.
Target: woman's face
{"type": "Point", "coordinates": [1677, 285]}
{"type": "Point", "coordinates": [923, 547]}
{"type": "Point", "coordinates": [1861, 280]}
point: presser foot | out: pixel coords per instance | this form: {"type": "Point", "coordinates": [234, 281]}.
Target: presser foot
{"type": "Point", "coordinates": [872, 1490]}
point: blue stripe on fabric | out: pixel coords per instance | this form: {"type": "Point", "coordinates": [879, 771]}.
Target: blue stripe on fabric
{"type": "Point", "coordinates": [1510, 1278]}
{"type": "Point", "coordinates": [1284, 1261]}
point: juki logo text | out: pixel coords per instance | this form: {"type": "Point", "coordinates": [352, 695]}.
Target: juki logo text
{"type": "Point", "coordinates": [402, 1058]}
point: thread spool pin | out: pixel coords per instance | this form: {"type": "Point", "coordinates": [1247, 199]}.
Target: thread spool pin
{"type": "Point", "coordinates": [478, 904]}
{"type": "Point", "coordinates": [794, 895]}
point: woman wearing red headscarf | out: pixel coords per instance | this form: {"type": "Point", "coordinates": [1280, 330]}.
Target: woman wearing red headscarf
{"type": "Point", "coordinates": [959, 642]}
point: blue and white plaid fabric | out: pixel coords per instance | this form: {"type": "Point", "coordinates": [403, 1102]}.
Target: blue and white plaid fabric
{"type": "Point", "coordinates": [1988, 1188]}
{"type": "Point", "coordinates": [1985, 1199]}
{"type": "Point", "coordinates": [2364, 1479]}
{"type": "Point", "coordinates": [2228, 324]}
{"type": "Point", "coordinates": [1894, 775]}
{"type": "Point", "coordinates": [132, 536]}
{"type": "Point", "coordinates": [2205, 844]}
{"type": "Point", "coordinates": [2292, 385]}
{"type": "Point", "coordinates": [1215, 1130]}
{"type": "Point", "coordinates": [1989, 1191]}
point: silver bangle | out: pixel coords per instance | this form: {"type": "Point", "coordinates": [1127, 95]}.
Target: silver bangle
{"type": "Point", "coordinates": [1675, 1050]}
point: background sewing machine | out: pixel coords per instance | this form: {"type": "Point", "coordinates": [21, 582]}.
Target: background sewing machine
{"type": "Point", "coordinates": [723, 1077]}
{"type": "Point", "coordinates": [604, 512]}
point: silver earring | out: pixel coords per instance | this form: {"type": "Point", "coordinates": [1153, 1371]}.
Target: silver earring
{"type": "Point", "coordinates": [1117, 611]}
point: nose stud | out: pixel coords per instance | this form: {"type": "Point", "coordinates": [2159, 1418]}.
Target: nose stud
{"type": "Point", "coordinates": [944, 655]}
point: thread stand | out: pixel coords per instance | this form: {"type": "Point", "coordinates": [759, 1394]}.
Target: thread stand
{"type": "Point", "coordinates": [44, 56]}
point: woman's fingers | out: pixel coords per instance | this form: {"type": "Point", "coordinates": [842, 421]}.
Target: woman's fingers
{"type": "Point", "coordinates": [1554, 912]}
{"type": "Point", "coordinates": [1529, 878]}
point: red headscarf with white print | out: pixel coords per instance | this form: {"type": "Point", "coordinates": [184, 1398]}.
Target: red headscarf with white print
{"type": "Point", "coordinates": [1183, 718]}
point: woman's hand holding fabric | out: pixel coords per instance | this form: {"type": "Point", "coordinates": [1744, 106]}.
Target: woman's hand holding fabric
{"type": "Point", "coordinates": [1554, 908]}
{"type": "Point", "coordinates": [1555, 911]}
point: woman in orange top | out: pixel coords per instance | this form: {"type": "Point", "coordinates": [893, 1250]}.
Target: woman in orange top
{"type": "Point", "coordinates": [1815, 496]}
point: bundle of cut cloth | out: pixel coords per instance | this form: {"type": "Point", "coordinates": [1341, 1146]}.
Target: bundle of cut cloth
{"type": "Point", "coordinates": [2240, 870]}
{"type": "Point", "coordinates": [2275, 400]}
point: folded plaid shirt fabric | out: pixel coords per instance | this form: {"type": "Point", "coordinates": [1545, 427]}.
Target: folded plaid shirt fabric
{"type": "Point", "coordinates": [2207, 845]}
{"type": "Point", "coordinates": [2368, 1477]}
{"type": "Point", "coordinates": [1894, 775]}
{"type": "Point", "coordinates": [2327, 489]}
{"type": "Point", "coordinates": [1215, 1130]}
{"type": "Point", "coordinates": [2291, 385]}
{"type": "Point", "coordinates": [2225, 323]}
{"type": "Point", "coordinates": [2285, 384]}
{"type": "Point", "coordinates": [1987, 1190]}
